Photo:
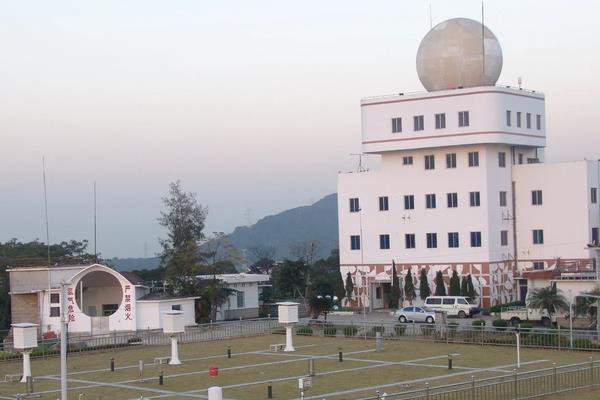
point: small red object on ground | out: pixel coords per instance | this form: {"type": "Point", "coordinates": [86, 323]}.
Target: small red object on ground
{"type": "Point", "coordinates": [213, 371]}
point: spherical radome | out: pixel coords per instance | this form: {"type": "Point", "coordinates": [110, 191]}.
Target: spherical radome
{"type": "Point", "coordinates": [451, 55]}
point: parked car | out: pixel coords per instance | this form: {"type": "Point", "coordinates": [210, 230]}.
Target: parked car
{"type": "Point", "coordinates": [457, 306]}
{"type": "Point", "coordinates": [415, 314]}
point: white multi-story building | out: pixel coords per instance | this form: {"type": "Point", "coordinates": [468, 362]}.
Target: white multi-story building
{"type": "Point", "coordinates": [462, 184]}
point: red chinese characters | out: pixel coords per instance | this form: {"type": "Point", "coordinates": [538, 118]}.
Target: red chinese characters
{"type": "Point", "coordinates": [128, 309]}
{"type": "Point", "coordinates": [70, 305]}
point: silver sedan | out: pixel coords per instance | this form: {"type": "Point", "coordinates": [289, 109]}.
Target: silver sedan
{"type": "Point", "coordinates": [415, 314]}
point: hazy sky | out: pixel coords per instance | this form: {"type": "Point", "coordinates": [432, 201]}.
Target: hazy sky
{"type": "Point", "coordinates": [253, 105]}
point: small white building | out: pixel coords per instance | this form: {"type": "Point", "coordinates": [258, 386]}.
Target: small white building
{"type": "Point", "coordinates": [244, 302]}
{"type": "Point", "coordinates": [99, 300]}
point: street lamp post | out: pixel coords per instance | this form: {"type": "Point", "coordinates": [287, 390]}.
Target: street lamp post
{"type": "Point", "coordinates": [364, 273]}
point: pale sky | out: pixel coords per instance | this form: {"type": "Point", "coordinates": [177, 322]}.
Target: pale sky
{"type": "Point", "coordinates": [253, 105]}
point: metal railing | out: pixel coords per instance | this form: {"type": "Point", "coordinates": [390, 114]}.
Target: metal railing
{"type": "Point", "coordinates": [114, 340]}
{"type": "Point", "coordinates": [455, 333]}
{"type": "Point", "coordinates": [524, 385]}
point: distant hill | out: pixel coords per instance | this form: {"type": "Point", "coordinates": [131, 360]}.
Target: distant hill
{"type": "Point", "coordinates": [129, 264]}
{"type": "Point", "coordinates": [317, 222]}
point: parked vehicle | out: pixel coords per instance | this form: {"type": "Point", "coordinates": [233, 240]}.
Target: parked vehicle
{"type": "Point", "coordinates": [415, 314]}
{"type": "Point", "coordinates": [457, 306]}
{"type": "Point", "coordinates": [516, 315]}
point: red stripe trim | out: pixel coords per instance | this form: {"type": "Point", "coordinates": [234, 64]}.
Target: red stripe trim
{"type": "Point", "coordinates": [451, 95]}
{"type": "Point", "coordinates": [455, 135]}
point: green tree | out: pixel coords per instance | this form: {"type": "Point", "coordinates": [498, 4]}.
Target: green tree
{"type": "Point", "coordinates": [440, 286]}
{"type": "Point", "coordinates": [349, 287]}
{"type": "Point", "coordinates": [424, 290]}
{"type": "Point", "coordinates": [394, 296]}
{"type": "Point", "coordinates": [471, 293]}
{"type": "Point", "coordinates": [549, 299]}
{"type": "Point", "coordinates": [214, 294]}
{"type": "Point", "coordinates": [464, 287]}
{"type": "Point", "coordinates": [288, 279]}
{"type": "Point", "coordinates": [183, 219]}
{"type": "Point", "coordinates": [409, 287]}
{"type": "Point", "coordinates": [321, 304]}
{"type": "Point", "coordinates": [454, 284]}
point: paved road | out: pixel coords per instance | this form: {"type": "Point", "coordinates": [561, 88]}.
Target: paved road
{"type": "Point", "coordinates": [381, 316]}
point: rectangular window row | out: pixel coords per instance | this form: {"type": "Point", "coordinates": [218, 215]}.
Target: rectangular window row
{"type": "Point", "coordinates": [440, 122]}
{"type": "Point", "coordinates": [473, 160]}
{"type": "Point", "coordinates": [430, 201]}
{"type": "Point", "coordinates": [431, 240]}
{"type": "Point", "coordinates": [538, 120]}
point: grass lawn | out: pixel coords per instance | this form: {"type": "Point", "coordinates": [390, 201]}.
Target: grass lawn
{"type": "Point", "coordinates": [402, 365]}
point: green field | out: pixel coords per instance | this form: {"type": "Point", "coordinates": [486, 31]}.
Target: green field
{"type": "Point", "coordinates": [402, 365]}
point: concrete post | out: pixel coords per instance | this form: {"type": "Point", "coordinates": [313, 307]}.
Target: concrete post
{"type": "Point", "coordinates": [289, 346]}
{"type": "Point", "coordinates": [174, 351]}
{"type": "Point", "coordinates": [378, 342]}
{"type": "Point", "coordinates": [215, 393]}
{"type": "Point", "coordinates": [26, 366]}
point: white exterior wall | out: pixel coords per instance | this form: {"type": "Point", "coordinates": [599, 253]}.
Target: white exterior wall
{"type": "Point", "coordinates": [566, 214]}
{"type": "Point", "coordinates": [487, 114]}
{"type": "Point", "coordinates": [150, 312]}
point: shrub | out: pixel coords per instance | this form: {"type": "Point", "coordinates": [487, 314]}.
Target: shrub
{"type": "Point", "coordinates": [373, 331]}
{"type": "Point", "coordinates": [134, 340]}
{"type": "Point", "coordinates": [330, 330]}
{"type": "Point", "coordinates": [584, 344]}
{"type": "Point", "coordinates": [350, 331]}
{"type": "Point", "coordinates": [278, 331]}
{"type": "Point", "coordinates": [399, 329]}
{"type": "Point", "coordinates": [500, 324]}
{"type": "Point", "coordinates": [304, 330]}
{"type": "Point", "coordinates": [478, 324]}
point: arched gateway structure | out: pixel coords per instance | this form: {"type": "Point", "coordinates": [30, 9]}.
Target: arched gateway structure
{"type": "Point", "coordinates": [99, 300]}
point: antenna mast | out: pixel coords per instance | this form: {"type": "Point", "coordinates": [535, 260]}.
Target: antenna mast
{"type": "Point", "coordinates": [360, 166]}
{"type": "Point", "coordinates": [482, 40]}
{"type": "Point", "coordinates": [95, 247]}
{"type": "Point", "coordinates": [430, 17]}
{"type": "Point", "coordinates": [46, 208]}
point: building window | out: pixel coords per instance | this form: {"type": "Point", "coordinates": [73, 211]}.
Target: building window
{"type": "Point", "coordinates": [409, 240]}
{"type": "Point", "coordinates": [355, 242]}
{"type": "Point", "coordinates": [432, 240]}
{"type": "Point", "coordinates": [430, 161]}
{"type": "Point", "coordinates": [451, 160]}
{"type": "Point", "coordinates": [383, 203]}
{"type": "Point", "coordinates": [475, 239]}
{"type": "Point", "coordinates": [54, 298]}
{"type": "Point", "coordinates": [396, 125]}
{"type": "Point", "coordinates": [503, 238]}
{"type": "Point", "coordinates": [502, 159]}
{"type": "Point", "coordinates": [109, 309]}
{"type": "Point", "coordinates": [378, 292]}
{"type": "Point", "coordinates": [528, 120]}
{"type": "Point", "coordinates": [440, 121]}
{"type": "Point", "coordinates": [354, 205]}
{"type": "Point", "coordinates": [538, 236]}
{"type": "Point", "coordinates": [536, 197]}
{"type": "Point", "coordinates": [538, 265]}
{"type": "Point", "coordinates": [518, 119]}
{"type": "Point", "coordinates": [452, 200]}
{"type": "Point", "coordinates": [463, 118]}
{"type": "Point", "coordinates": [473, 159]}
{"type": "Point", "coordinates": [508, 118]}
{"type": "Point", "coordinates": [595, 236]}
{"type": "Point", "coordinates": [520, 158]}
{"type": "Point", "coordinates": [474, 199]}
{"type": "Point", "coordinates": [502, 199]}
{"type": "Point", "coordinates": [407, 160]}
{"type": "Point", "coordinates": [240, 299]}
{"type": "Point", "coordinates": [538, 122]}
{"type": "Point", "coordinates": [419, 122]}
{"type": "Point", "coordinates": [453, 239]}
{"type": "Point", "coordinates": [594, 195]}
{"type": "Point", "coordinates": [430, 200]}
{"type": "Point", "coordinates": [55, 311]}
{"type": "Point", "coordinates": [409, 202]}
{"type": "Point", "coordinates": [384, 242]}
{"type": "Point", "coordinates": [176, 307]}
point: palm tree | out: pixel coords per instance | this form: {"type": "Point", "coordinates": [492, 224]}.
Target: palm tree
{"type": "Point", "coordinates": [549, 299]}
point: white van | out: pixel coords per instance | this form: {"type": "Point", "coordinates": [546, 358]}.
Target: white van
{"type": "Point", "coordinates": [457, 306]}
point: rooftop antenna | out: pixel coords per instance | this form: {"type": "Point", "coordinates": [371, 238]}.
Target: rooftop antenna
{"type": "Point", "coordinates": [46, 208]}
{"type": "Point", "coordinates": [430, 17]}
{"type": "Point", "coordinates": [360, 166]}
{"type": "Point", "coordinates": [482, 39]}
{"type": "Point", "coordinates": [95, 230]}
{"type": "Point", "coordinates": [520, 81]}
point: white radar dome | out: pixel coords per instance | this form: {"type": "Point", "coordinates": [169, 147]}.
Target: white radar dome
{"type": "Point", "coordinates": [459, 52]}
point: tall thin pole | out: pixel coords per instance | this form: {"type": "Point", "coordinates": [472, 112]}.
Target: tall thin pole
{"type": "Point", "coordinates": [430, 17]}
{"type": "Point", "coordinates": [95, 231]}
{"type": "Point", "coordinates": [46, 209]}
{"type": "Point", "coordinates": [63, 342]}
{"type": "Point", "coordinates": [482, 40]}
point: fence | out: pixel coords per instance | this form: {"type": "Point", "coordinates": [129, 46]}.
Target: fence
{"type": "Point", "coordinates": [524, 385]}
{"type": "Point", "coordinates": [115, 340]}
{"type": "Point", "coordinates": [455, 333]}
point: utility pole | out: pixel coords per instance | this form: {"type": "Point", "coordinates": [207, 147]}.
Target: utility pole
{"type": "Point", "coordinates": [63, 342]}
